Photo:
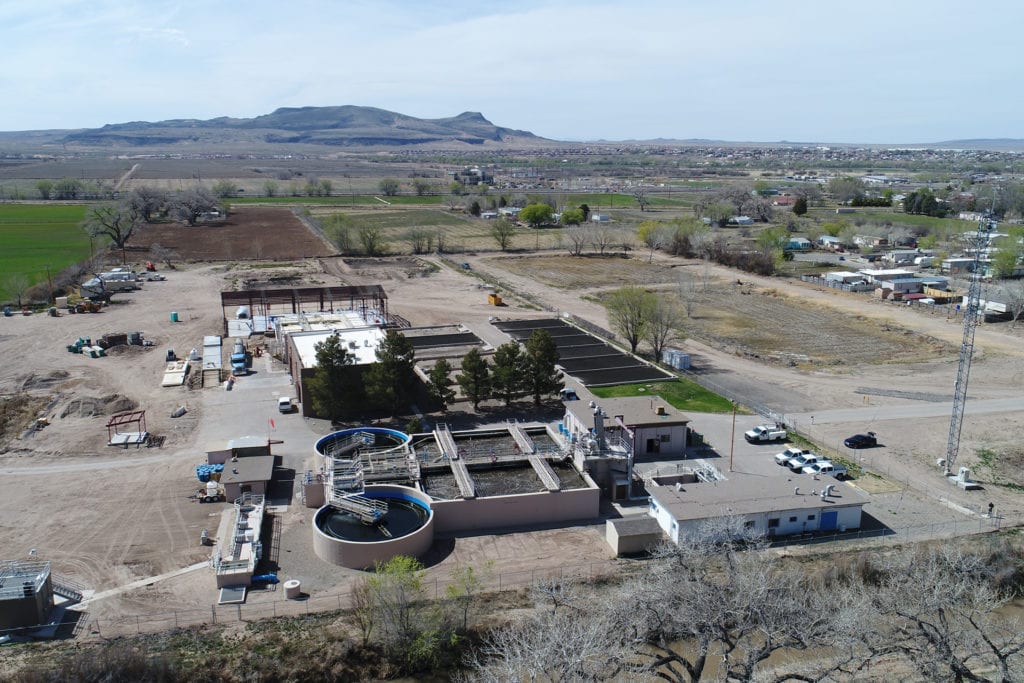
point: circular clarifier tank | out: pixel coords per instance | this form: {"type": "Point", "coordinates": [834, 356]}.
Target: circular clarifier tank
{"type": "Point", "coordinates": [406, 528]}
{"type": "Point", "coordinates": [378, 438]}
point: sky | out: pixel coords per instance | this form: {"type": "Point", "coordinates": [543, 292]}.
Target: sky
{"type": "Point", "coordinates": [899, 71]}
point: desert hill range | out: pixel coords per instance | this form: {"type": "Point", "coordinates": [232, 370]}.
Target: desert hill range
{"type": "Point", "coordinates": [359, 127]}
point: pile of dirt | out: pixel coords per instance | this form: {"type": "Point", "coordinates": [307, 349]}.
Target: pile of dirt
{"type": "Point", "coordinates": [18, 412]}
{"type": "Point", "coordinates": [34, 381]}
{"type": "Point", "coordinates": [89, 406]}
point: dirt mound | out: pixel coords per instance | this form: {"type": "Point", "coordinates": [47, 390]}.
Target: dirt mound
{"type": "Point", "coordinates": [34, 381]}
{"type": "Point", "coordinates": [18, 412]}
{"type": "Point", "coordinates": [89, 406]}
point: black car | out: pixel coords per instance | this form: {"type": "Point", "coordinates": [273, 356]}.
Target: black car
{"type": "Point", "coordinates": [861, 441]}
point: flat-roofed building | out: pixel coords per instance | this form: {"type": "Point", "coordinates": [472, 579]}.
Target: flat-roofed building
{"type": "Point", "coordinates": [769, 506]}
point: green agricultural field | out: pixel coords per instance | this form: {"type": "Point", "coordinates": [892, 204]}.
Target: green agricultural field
{"type": "Point", "coordinates": [682, 393]}
{"type": "Point", "coordinates": [37, 237]}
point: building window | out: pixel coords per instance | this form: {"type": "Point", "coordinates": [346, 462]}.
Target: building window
{"type": "Point", "coordinates": [792, 519]}
{"type": "Point", "coordinates": [810, 518]}
{"type": "Point", "coordinates": [749, 524]}
{"type": "Point", "coordinates": [666, 438]}
{"type": "Point", "coordinates": [773, 523]}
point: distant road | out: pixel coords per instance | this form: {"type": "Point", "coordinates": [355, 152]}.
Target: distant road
{"type": "Point", "coordinates": [891, 412]}
{"type": "Point", "coordinates": [124, 178]}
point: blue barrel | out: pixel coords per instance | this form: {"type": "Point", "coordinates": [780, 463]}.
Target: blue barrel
{"type": "Point", "coordinates": [174, 316]}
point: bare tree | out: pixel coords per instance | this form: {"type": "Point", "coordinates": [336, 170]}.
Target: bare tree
{"type": "Point", "coordinates": [117, 222]}
{"type": "Point", "coordinates": [502, 231]}
{"type": "Point", "coordinates": [629, 310]}
{"type": "Point", "coordinates": [941, 608]}
{"type": "Point", "coordinates": [372, 240]}
{"type": "Point", "coordinates": [16, 284]}
{"type": "Point", "coordinates": [420, 240]}
{"type": "Point", "coordinates": [148, 201]}
{"type": "Point", "coordinates": [560, 646]}
{"type": "Point", "coordinates": [662, 325]}
{"type": "Point", "coordinates": [641, 197]}
{"type": "Point", "coordinates": [604, 237]}
{"type": "Point", "coordinates": [389, 187]}
{"type": "Point", "coordinates": [189, 205]}
{"type": "Point", "coordinates": [578, 237]}
{"type": "Point", "coordinates": [689, 291]}
{"type": "Point", "coordinates": [1014, 301]}
{"type": "Point", "coordinates": [420, 187]}
{"type": "Point", "coordinates": [163, 254]}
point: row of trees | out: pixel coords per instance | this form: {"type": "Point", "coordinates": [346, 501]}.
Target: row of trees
{"type": "Point", "coordinates": [717, 607]}
{"type": "Point", "coordinates": [514, 372]}
{"type": "Point", "coordinates": [339, 389]}
{"type": "Point", "coordinates": [73, 188]}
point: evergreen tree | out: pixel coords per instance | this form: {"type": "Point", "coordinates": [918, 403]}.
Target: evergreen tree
{"type": "Point", "coordinates": [508, 376]}
{"type": "Point", "coordinates": [475, 377]}
{"type": "Point", "coordinates": [542, 378]}
{"type": "Point", "coordinates": [390, 381]}
{"type": "Point", "coordinates": [800, 206]}
{"type": "Point", "coordinates": [335, 388]}
{"type": "Point", "coordinates": [440, 386]}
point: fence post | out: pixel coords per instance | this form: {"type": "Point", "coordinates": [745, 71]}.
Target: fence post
{"type": "Point", "coordinates": [213, 611]}
{"type": "Point", "coordinates": [138, 625]}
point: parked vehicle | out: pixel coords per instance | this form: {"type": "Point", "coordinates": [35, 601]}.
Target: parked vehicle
{"type": "Point", "coordinates": [765, 433]}
{"type": "Point", "coordinates": [861, 441]}
{"type": "Point", "coordinates": [240, 359]}
{"type": "Point", "coordinates": [284, 404]}
{"type": "Point", "coordinates": [826, 467]}
{"type": "Point", "coordinates": [785, 456]}
{"type": "Point", "coordinates": [803, 460]}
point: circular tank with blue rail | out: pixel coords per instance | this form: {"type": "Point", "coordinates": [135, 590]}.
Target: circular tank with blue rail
{"type": "Point", "coordinates": [348, 539]}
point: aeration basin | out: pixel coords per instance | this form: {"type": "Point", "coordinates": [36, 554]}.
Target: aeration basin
{"type": "Point", "coordinates": [407, 528]}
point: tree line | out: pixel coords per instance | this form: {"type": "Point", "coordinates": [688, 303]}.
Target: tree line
{"type": "Point", "coordinates": [341, 390]}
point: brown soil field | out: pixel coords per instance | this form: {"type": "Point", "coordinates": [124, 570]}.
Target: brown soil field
{"type": "Point", "coordinates": [248, 233]}
{"type": "Point", "coordinates": [745, 319]}
{"type": "Point", "coordinates": [569, 272]}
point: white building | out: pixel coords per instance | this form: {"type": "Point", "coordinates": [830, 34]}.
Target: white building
{"type": "Point", "coordinates": [770, 506]}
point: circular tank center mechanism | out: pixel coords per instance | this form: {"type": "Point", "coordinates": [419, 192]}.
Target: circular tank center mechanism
{"type": "Point", "coordinates": [399, 518]}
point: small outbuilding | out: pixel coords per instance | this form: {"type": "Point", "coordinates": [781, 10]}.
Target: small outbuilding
{"type": "Point", "coordinates": [26, 594]}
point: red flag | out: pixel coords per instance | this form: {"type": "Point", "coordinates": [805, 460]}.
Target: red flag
{"type": "Point", "coordinates": [272, 425]}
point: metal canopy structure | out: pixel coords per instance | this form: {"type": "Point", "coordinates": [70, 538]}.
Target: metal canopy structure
{"type": "Point", "coordinates": [265, 302]}
{"type": "Point", "coordinates": [137, 418]}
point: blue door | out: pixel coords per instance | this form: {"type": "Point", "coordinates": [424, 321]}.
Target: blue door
{"type": "Point", "coordinates": [828, 520]}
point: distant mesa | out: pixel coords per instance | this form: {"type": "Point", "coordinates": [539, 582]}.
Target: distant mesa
{"type": "Point", "coordinates": [344, 126]}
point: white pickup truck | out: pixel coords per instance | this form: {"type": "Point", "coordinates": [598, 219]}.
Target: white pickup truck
{"type": "Point", "coordinates": [803, 460]}
{"type": "Point", "coordinates": [826, 467]}
{"type": "Point", "coordinates": [765, 433]}
{"type": "Point", "coordinates": [785, 456]}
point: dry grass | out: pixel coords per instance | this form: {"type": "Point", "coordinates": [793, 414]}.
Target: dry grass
{"type": "Point", "coordinates": [586, 272]}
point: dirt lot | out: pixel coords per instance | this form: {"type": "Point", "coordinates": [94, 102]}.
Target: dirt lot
{"type": "Point", "coordinates": [249, 233]}
{"type": "Point", "coordinates": [109, 517]}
